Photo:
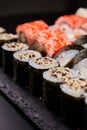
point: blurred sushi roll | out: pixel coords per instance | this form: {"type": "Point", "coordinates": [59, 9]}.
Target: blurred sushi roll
{"type": "Point", "coordinates": [51, 91]}
{"type": "Point", "coordinates": [21, 67]}
{"type": "Point", "coordinates": [28, 30]}
{"type": "Point", "coordinates": [7, 55]}
{"type": "Point", "coordinates": [37, 67]}
{"type": "Point", "coordinates": [65, 56]}
{"type": "Point", "coordinates": [73, 25]}
{"type": "Point", "coordinates": [6, 38]}
{"type": "Point", "coordinates": [81, 68]}
{"type": "Point", "coordinates": [72, 100]}
{"type": "Point", "coordinates": [2, 30]}
{"type": "Point", "coordinates": [81, 12]}
{"type": "Point", "coordinates": [71, 21]}
{"type": "Point", "coordinates": [51, 86]}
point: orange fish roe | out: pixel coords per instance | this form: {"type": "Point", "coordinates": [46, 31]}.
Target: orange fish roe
{"type": "Point", "coordinates": [73, 21]}
{"type": "Point", "coordinates": [52, 40]}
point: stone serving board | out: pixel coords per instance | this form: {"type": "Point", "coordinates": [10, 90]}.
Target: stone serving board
{"type": "Point", "coordinates": [32, 107]}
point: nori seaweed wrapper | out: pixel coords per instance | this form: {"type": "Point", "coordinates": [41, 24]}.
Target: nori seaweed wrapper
{"type": "Point", "coordinates": [72, 111]}
{"type": "Point", "coordinates": [36, 73]}
{"type": "Point", "coordinates": [21, 73]}
{"type": "Point", "coordinates": [35, 82]}
{"type": "Point", "coordinates": [7, 62]}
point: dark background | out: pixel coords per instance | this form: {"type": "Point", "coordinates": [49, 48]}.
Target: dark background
{"type": "Point", "coordinates": [14, 12]}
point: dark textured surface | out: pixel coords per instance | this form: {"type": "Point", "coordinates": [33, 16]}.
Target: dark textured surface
{"type": "Point", "coordinates": [32, 107]}
{"type": "Point", "coordinates": [11, 119]}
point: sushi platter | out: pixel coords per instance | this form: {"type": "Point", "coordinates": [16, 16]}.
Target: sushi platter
{"type": "Point", "coordinates": [43, 71]}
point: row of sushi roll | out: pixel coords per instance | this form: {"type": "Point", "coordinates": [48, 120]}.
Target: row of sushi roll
{"type": "Point", "coordinates": [51, 62]}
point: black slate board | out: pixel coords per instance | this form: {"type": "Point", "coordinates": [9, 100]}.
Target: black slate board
{"type": "Point", "coordinates": [32, 107]}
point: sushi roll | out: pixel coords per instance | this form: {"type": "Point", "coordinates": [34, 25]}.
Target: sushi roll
{"type": "Point", "coordinates": [73, 25]}
{"type": "Point", "coordinates": [37, 67]}
{"type": "Point", "coordinates": [81, 68]}
{"type": "Point", "coordinates": [7, 55]}
{"type": "Point", "coordinates": [21, 67]}
{"type": "Point", "coordinates": [2, 30]}
{"type": "Point", "coordinates": [52, 79]}
{"type": "Point", "coordinates": [51, 92]}
{"type": "Point", "coordinates": [65, 56]}
{"type": "Point", "coordinates": [6, 38]}
{"type": "Point", "coordinates": [72, 21]}
{"type": "Point", "coordinates": [27, 31]}
{"type": "Point", "coordinates": [72, 100]}
{"type": "Point", "coordinates": [49, 41]}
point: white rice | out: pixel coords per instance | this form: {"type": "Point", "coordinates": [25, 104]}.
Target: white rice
{"type": "Point", "coordinates": [14, 46]}
{"type": "Point", "coordinates": [8, 36]}
{"type": "Point", "coordinates": [47, 75]}
{"type": "Point", "coordinates": [43, 63]}
{"type": "Point", "coordinates": [25, 55]}
{"type": "Point", "coordinates": [72, 92]}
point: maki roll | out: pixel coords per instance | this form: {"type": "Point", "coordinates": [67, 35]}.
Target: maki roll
{"type": "Point", "coordinates": [6, 38]}
{"type": "Point", "coordinates": [7, 55]}
{"type": "Point", "coordinates": [81, 68]}
{"type": "Point", "coordinates": [37, 67]}
{"type": "Point", "coordinates": [27, 31]}
{"type": "Point", "coordinates": [2, 30]}
{"type": "Point", "coordinates": [21, 67]}
{"type": "Point", "coordinates": [52, 79]}
{"type": "Point", "coordinates": [65, 56]}
{"type": "Point", "coordinates": [51, 91]}
{"type": "Point", "coordinates": [72, 100]}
